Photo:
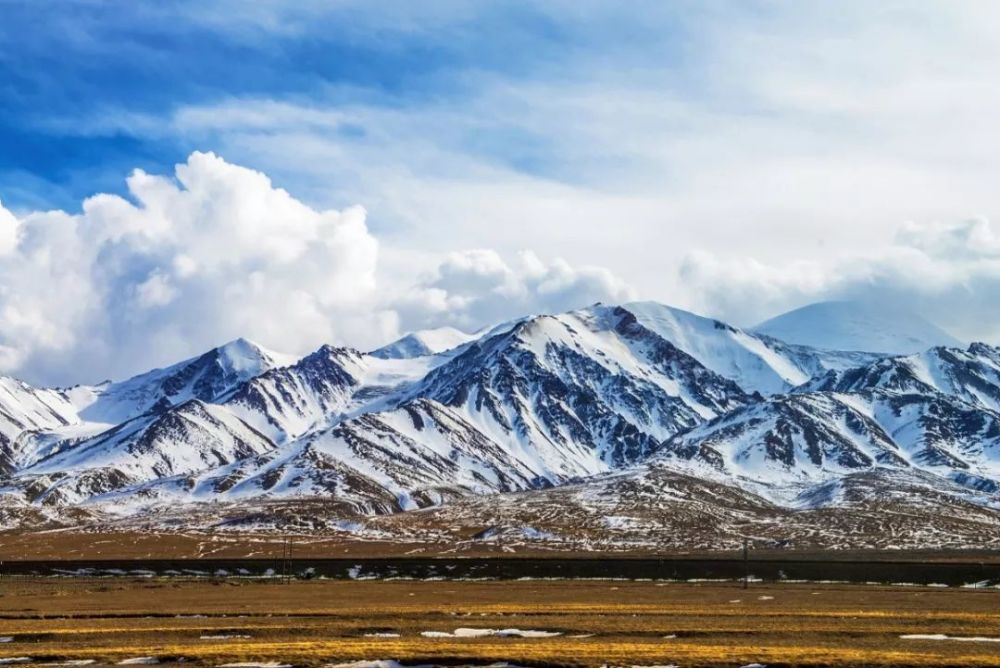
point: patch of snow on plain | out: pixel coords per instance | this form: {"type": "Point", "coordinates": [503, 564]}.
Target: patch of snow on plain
{"type": "Point", "coordinates": [942, 636]}
{"type": "Point", "coordinates": [486, 633]}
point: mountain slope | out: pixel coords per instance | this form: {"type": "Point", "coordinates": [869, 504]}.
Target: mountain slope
{"type": "Point", "coordinates": [972, 375]}
{"type": "Point", "coordinates": [182, 439]}
{"type": "Point", "coordinates": [942, 406]}
{"type": "Point", "coordinates": [208, 377]}
{"type": "Point", "coordinates": [789, 440]}
{"type": "Point", "coordinates": [756, 363]}
{"type": "Point", "coordinates": [647, 509]}
{"type": "Point", "coordinates": [583, 391]}
{"type": "Point", "coordinates": [856, 326]}
{"type": "Point", "coordinates": [324, 388]}
{"type": "Point", "coordinates": [778, 445]}
{"type": "Point", "coordinates": [418, 455]}
{"type": "Point", "coordinates": [24, 408]}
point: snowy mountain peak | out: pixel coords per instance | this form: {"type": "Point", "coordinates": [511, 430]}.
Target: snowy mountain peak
{"type": "Point", "coordinates": [247, 357]}
{"type": "Point", "coordinates": [846, 325]}
{"type": "Point", "coordinates": [756, 363]}
{"type": "Point", "coordinates": [422, 343]}
{"type": "Point", "coordinates": [209, 377]}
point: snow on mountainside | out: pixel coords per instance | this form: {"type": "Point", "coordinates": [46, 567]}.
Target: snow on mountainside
{"type": "Point", "coordinates": [581, 391]}
{"type": "Point", "coordinates": [856, 326]}
{"type": "Point", "coordinates": [418, 455]}
{"type": "Point", "coordinates": [537, 402]}
{"type": "Point", "coordinates": [757, 363]}
{"type": "Point", "coordinates": [424, 342]}
{"type": "Point", "coordinates": [788, 440]}
{"type": "Point", "coordinates": [894, 414]}
{"type": "Point", "coordinates": [942, 406]}
{"type": "Point", "coordinates": [972, 375]}
{"type": "Point", "coordinates": [182, 439]}
{"type": "Point", "coordinates": [24, 408]}
{"type": "Point", "coordinates": [322, 389]}
{"type": "Point", "coordinates": [208, 377]}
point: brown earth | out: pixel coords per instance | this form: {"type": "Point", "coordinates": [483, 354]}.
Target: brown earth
{"type": "Point", "coordinates": [68, 544]}
{"type": "Point", "coordinates": [615, 623]}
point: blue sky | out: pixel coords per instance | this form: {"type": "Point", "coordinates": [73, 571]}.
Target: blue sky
{"type": "Point", "coordinates": [734, 158]}
{"type": "Point", "coordinates": [74, 73]}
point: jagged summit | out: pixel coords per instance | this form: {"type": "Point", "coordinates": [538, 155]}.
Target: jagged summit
{"type": "Point", "coordinates": [209, 377]}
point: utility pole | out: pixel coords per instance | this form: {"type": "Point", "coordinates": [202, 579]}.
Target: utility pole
{"type": "Point", "coordinates": [286, 559]}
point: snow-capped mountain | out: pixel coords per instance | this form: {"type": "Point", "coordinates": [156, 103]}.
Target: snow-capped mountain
{"type": "Point", "coordinates": [25, 409]}
{"type": "Point", "coordinates": [208, 377]}
{"type": "Point", "coordinates": [541, 401]}
{"type": "Point", "coordinates": [182, 439]}
{"type": "Point", "coordinates": [790, 439]}
{"type": "Point", "coordinates": [857, 326]}
{"type": "Point", "coordinates": [972, 375]}
{"type": "Point", "coordinates": [423, 343]}
{"type": "Point", "coordinates": [758, 363]}
{"type": "Point", "coordinates": [942, 406]}
{"type": "Point", "coordinates": [582, 391]}
{"type": "Point", "coordinates": [935, 412]}
{"type": "Point", "coordinates": [538, 402]}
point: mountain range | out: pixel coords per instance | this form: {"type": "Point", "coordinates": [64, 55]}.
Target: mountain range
{"type": "Point", "coordinates": [602, 424]}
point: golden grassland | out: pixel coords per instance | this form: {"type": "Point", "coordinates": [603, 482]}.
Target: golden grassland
{"type": "Point", "coordinates": [620, 623]}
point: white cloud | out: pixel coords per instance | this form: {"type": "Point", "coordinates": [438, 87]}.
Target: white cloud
{"type": "Point", "coordinates": [218, 253]}
{"type": "Point", "coordinates": [788, 141]}
{"type": "Point", "coordinates": [189, 263]}
{"type": "Point", "coordinates": [949, 272]}
{"type": "Point", "coordinates": [799, 131]}
{"type": "Point", "coordinates": [477, 287]}
{"type": "Point", "coordinates": [8, 231]}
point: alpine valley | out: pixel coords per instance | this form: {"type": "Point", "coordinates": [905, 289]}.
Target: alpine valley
{"type": "Point", "coordinates": [613, 427]}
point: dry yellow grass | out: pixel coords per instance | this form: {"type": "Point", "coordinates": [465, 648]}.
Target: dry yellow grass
{"type": "Point", "coordinates": [625, 623]}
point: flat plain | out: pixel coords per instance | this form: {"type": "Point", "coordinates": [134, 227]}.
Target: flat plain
{"type": "Point", "coordinates": [618, 623]}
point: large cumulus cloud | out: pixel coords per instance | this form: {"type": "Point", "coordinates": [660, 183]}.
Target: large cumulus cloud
{"type": "Point", "coordinates": [476, 287]}
{"type": "Point", "coordinates": [218, 252]}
